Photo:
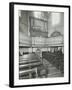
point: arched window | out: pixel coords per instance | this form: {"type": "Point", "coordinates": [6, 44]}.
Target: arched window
{"type": "Point", "coordinates": [55, 34]}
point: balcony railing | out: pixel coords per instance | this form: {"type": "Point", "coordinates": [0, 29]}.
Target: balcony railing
{"type": "Point", "coordinates": [42, 42]}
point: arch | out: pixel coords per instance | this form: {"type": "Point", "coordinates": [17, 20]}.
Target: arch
{"type": "Point", "coordinates": [55, 34]}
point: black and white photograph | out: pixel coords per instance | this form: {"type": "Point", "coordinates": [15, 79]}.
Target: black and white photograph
{"type": "Point", "coordinates": [41, 44]}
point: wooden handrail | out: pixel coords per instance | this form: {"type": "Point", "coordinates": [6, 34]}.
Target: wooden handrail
{"type": "Point", "coordinates": [27, 62]}
{"type": "Point", "coordinates": [27, 65]}
{"type": "Point", "coordinates": [28, 71]}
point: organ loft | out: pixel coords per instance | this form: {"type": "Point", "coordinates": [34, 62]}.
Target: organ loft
{"type": "Point", "coordinates": [41, 44]}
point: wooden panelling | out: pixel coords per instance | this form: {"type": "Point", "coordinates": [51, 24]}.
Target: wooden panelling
{"type": "Point", "coordinates": [45, 42]}
{"type": "Point", "coordinates": [41, 41]}
{"type": "Point", "coordinates": [25, 40]}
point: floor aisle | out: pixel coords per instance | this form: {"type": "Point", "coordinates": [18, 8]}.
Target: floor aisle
{"type": "Point", "coordinates": [52, 70]}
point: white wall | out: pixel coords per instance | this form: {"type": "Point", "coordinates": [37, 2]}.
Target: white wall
{"type": "Point", "coordinates": [4, 45]}
{"type": "Point", "coordinates": [56, 23]}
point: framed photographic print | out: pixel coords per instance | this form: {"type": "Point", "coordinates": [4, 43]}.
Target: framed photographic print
{"type": "Point", "coordinates": [39, 44]}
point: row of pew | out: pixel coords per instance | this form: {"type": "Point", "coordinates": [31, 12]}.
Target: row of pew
{"type": "Point", "coordinates": [56, 59]}
{"type": "Point", "coordinates": [30, 66]}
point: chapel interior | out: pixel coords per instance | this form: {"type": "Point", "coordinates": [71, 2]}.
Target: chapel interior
{"type": "Point", "coordinates": [41, 44]}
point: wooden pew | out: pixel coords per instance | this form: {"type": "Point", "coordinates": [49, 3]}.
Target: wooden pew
{"type": "Point", "coordinates": [56, 59]}
{"type": "Point", "coordinates": [28, 73]}
{"type": "Point", "coordinates": [28, 66]}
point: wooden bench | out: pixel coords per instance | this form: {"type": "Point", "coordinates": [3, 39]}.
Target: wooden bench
{"type": "Point", "coordinates": [28, 66]}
